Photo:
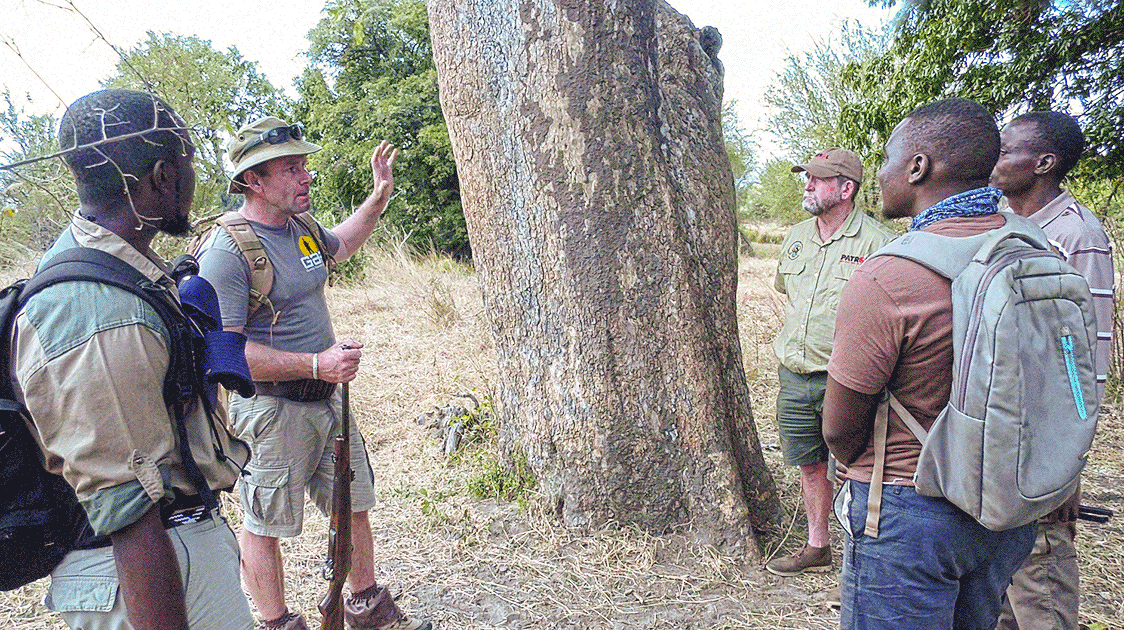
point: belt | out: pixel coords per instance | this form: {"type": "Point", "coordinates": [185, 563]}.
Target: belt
{"type": "Point", "coordinates": [183, 510]}
{"type": "Point", "coordinates": [301, 390]}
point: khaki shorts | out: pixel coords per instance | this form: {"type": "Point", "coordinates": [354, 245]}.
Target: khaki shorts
{"type": "Point", "coordinates": [84, 588]}
{"type": "Point", "coordinates": [291, 445]}
{"type": "Point", "coordinates": [800, 416]}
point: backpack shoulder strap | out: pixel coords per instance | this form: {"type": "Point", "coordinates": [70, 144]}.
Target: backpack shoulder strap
{"type": "Point", "coordinates": [181, 380]}
{"type": "Point", "coordinates": [881, 430]}
{"type": "Point", "coordinates": [93, 265]}
{"type": "Point", "coordinates": [945, 255]}
{"type": "Point", "coordinates": [261, 269]}
{"type": "Point", "coordinates": [85, 263]}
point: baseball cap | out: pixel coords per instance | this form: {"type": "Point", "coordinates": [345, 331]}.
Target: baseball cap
{"type": "Point", "coordinates": [261, 141]}
{"type": "Point", "coordinates": [832, 162]}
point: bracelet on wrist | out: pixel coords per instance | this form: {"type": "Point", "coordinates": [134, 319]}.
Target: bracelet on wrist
{"type": "Point", "coordinates": [315, 365]}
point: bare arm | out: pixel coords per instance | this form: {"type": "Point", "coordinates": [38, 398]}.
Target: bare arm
{"type": "Point", "coordinates": [355, 230]}
{"type": "Point", "coordinates": [337, 364]}
{"type": "Point", "coordinates": [149, 575]}
{"type": "Point", "coordinates": [847, 421]}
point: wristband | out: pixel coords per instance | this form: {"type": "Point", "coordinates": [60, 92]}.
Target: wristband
{"type": "Point", "coordinates": [315, 365]}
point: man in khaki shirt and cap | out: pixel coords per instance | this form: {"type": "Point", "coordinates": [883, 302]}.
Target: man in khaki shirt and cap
{"type": "Point", "coordinates": [817, 258]}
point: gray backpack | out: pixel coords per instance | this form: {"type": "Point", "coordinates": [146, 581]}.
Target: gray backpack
{"type": "Point", "coordinates": [1010, 445]}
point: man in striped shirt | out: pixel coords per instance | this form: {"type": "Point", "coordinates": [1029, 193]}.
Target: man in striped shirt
{"type": "Point", "coordinates": [1036, 152]}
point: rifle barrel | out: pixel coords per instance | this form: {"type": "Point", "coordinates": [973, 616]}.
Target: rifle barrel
{"type": "Point", "coordinates": [339, 533]}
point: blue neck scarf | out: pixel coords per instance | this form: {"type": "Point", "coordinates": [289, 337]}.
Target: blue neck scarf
{"type": "Point", "coordinates": [970, 203]}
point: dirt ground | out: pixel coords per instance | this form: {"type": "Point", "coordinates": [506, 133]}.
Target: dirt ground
{"type": "Point", "coordinates": [466, 563]}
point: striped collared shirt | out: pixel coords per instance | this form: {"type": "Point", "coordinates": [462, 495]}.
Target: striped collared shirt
{"type": "Point", "coordinates": [1078, 236]}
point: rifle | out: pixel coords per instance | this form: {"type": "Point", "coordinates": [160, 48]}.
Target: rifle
{"type": "Point", "coordinates": [338, 563]}
{"type": "Point", "coordinates": [1093, 514]}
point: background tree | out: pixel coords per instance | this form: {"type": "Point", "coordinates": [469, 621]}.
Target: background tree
{"type": "Point", "coordinates": [807, 99]}
{"type": "Point", "coordinates": [215, 92]}
{"type": "Point", "coordinates": [741, 150]}
{"type": "Point", "coordinates": [36, 200]}
{"type": "Point", "coordinates": [371, 77]}
{"type": "Point", "coordinates": [1009, 55]}
{"type": "Point", "coordinates": [1012, 56]}
{"type": "Point", "coordinates": [776, 195]}
{"type": "Point", "coordinates": [600, 203]}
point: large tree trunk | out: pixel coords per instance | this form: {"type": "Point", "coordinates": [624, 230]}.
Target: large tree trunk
{"type": "Point", "coordinates": [600, 207]}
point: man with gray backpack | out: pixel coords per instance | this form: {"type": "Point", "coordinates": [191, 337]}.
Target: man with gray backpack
{"type": "Point", "coordinates": [962, 361]}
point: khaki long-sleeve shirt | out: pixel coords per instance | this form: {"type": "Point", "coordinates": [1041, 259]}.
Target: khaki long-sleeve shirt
{"type": "Point", "coordinates": [90, 360]}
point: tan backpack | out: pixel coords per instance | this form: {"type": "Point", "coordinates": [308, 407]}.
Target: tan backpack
{"type": "Point", "coordinates": [261, 269]}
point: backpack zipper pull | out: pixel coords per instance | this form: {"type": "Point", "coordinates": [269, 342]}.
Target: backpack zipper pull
{"type": "Point", "coordinates": [1071, 370]}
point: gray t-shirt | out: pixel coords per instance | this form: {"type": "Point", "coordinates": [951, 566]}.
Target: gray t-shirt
{"type": "Point", "coordinates": [299, 275]}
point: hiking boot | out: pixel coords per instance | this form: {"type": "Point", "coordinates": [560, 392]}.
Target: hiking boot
{"type": "Point", "coordinates": [809, 558]}
{"type": "Point", "coordinates": [374, 609]}
{"type": "Point", "coordinates": [288, 621]}
{"type": "Point", "coordinates": [832, 598]}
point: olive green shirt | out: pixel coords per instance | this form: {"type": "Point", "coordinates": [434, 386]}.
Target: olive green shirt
{"type": "Point", "coordinates": [812, 273]}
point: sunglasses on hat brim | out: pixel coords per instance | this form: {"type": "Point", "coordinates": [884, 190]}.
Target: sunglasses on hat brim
{"type": "Point", "coordinates": [277, 135]}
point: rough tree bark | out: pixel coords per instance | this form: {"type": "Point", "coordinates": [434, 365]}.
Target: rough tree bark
{"type": "Point", "coordinates": [600, 207]}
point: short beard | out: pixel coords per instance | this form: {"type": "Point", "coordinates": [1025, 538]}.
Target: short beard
{"type": "Point", "coordinates": [179, 226]}
{"type": "Point", "coordinates": [813, 207]}
{"type": "Point", "coordinates": [816, 207]}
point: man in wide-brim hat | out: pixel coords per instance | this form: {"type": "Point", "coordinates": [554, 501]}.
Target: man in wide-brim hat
{"type": "Point", "coordinates": [296, 363]}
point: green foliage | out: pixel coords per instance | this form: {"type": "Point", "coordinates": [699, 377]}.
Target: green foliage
{"type": "Point", "coordinates": [430, 501]}
{"type": "Point", "coordinates": [1010, 56]}
{"type": "Point", "coordinates": [214, 92]}
{"type": "Point", "coordinates": [757, 236]}
{"type": "Point", "coordinates": [479, 424]}
{"type": "Point", "coordinates": [36, 200]}
{"type": "Point", "coordinates": [740, 149]}
{"type": "Point", "coordinates": [430, 504]}
{"type": "Point", "coordinates": [777, 195]}
{"type": "Point", "coordinates": [510, 483]}
{"type": "Point", "coordinates": [371, 77]}
{"type": "Point", "coordinates": [809, 96]}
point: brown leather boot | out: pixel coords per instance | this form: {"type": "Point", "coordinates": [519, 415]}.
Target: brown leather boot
{"type": "Point", "coordinates": [374, 609]}
{"type": "Point", "coordinates": [288, 621]}
{"type": "Point", "coordinates": [809, 558]}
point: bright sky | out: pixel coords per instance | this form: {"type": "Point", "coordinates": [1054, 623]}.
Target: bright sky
{"type": "Point", "coordinates": [69, 57]}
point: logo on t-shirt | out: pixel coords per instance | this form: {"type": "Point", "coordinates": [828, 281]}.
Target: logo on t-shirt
{"type": "Point", "coordinates": [312, 258]}
{"type": "Point", "coordinates": [855, 260]}
{"type": "Point", "coordinates": [794, 250]}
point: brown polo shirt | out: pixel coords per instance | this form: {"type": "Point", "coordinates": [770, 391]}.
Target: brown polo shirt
{"type": "Point", "coordinates": [895, 330]}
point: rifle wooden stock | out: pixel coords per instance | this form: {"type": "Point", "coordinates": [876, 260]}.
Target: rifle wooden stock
{"type": "Point", "coordinates": [338, 563]}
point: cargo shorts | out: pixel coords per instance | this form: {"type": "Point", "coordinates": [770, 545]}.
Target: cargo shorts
{"type": "Point", "coordinates": [85, 591]}
{"type": "Point", "coordinates": [291, 445]}
{"type": "Point", "coordinates": [800, 416]}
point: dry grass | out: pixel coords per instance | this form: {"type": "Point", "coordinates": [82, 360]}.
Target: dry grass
{"type": "Point", "coordinates": [467, 563]}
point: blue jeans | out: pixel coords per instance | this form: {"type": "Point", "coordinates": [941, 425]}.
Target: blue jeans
{"type": "Point", "coordinates": [932, 566]}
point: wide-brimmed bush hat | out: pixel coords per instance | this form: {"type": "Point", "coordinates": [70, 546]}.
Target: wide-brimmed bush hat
{"type": "Point", "coordinates": [263, 140]}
